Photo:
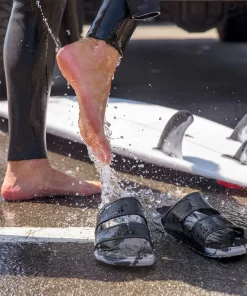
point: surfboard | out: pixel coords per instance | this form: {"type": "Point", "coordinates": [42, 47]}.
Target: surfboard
{"type": "Point", "coordinates": [162, 136]}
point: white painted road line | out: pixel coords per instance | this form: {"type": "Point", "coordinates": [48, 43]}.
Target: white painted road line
{"type": "Point", "coordinates": [46, 235]}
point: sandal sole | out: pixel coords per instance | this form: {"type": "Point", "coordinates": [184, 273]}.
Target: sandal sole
{"type": "Point", "coordinates": [127, 261]}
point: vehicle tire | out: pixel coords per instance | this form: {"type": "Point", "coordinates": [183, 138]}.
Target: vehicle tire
{"type": "Point", "coordinates": [5, 10]}
{"type": "Point", "coordinates": [234, 29]}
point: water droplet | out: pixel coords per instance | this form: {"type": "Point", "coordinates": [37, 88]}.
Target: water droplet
{"type": "Point", "coordinates": [57, 43]}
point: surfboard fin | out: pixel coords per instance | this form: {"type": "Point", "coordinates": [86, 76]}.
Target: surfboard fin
{"type": "Point", "coordinates": [171, 138]}
{"type": "Point", "coordinates": [241, 154]}
{"type": "Point", "coordinates": [240, 132]}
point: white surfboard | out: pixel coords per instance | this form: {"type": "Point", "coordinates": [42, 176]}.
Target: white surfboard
{"type": "Point", "coordinates": [136, 127]}
{"type": "Point", "coordinates": [206, 148]}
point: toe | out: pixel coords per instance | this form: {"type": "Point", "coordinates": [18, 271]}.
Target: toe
{"type": "Point", "coordinates": [92, 187]}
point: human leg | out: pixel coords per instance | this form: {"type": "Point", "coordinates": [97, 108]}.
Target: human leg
{"type": "Point", "coordinates": [90, 63]}
{"type": "Point", "coordinates": [29, 57]}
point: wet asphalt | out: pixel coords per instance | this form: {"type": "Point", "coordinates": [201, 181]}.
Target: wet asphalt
{"type": "Point", "coordinates": [199, 74]}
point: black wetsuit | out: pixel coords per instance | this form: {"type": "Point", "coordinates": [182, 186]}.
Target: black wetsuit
{"type": "Point", "coordinates": [29, 55]}
{"type": "Point", "coordinates": [116, 20]}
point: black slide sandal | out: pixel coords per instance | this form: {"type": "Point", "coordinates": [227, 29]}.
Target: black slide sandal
{"type": "Point", "coordinates": [122, 236]}
{"type": "Point", "coordinates": [195, 222]}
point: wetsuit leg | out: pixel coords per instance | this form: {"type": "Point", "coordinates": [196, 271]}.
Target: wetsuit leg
{"type": "Point", "coordinates": [29, 55]}
{"type": "Point", "coordinates": [115, 21]}
{"type": "Point", "coordinates": [72, 21]}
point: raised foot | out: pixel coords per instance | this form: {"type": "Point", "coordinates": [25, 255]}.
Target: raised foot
{"type": "Point", "coordinates": [36, 178]}
{"type": "Point", "coordinates": [89, 66]}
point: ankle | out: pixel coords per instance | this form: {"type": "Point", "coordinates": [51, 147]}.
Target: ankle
{"type": "Point", "coordinates": [103, 52]}
{"type": "Point", "coordinates": [110, 55]}
{"type": "Point", "coordinates": [103, 46]}
{"type": "Point", "coordinates": [21, 177]}
{"type": "Point", "coordinates": [26, 166]}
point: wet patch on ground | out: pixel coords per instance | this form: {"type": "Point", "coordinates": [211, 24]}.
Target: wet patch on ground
{"type": "Point", "coordinates": [70, 268]}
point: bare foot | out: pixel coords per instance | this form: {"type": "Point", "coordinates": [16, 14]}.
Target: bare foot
{"type": "Point", "coordinates": [35, 178]}
{"type": "Point", "coordinates": [89, 66]}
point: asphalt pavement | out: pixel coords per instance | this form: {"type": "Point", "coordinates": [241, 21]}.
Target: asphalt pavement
{"type": "Point", "coordinates": [165, 66]}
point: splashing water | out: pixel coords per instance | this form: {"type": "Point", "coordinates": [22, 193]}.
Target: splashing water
{"type": "Point", "coordinates": [112, 187]}
{"type": "Point", "coordinates": [57, 42]}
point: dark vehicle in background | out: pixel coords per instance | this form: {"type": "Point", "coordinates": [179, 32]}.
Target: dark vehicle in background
{"type": "Point", "coordinates": [229, 17]}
